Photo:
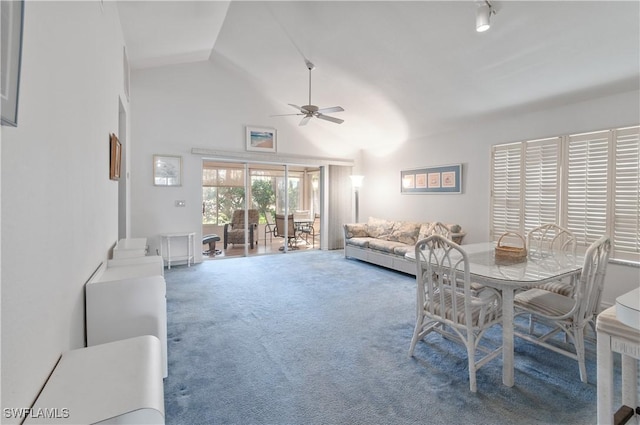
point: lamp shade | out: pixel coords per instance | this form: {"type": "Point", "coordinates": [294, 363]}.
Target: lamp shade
{"type": "Point", "coordinates": [356, 181]}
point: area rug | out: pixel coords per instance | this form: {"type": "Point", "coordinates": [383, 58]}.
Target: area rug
{"type": "Point", "coordinates": [314, 338]}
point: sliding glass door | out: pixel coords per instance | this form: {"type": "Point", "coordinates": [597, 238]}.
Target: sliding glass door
{"type": "Point", "coordinates": [228, 188]}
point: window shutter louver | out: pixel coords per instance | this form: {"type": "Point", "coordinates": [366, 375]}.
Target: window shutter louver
{"type": "Point", "coordinates": [505, 189]}
{"type": "Point", "coordinates": [541, 193]}
{"type": "Point", "coordinates": [588, 183]}
{"type": "Point", "coordinates": [626, 222]}
{"type": "Point", "coordinates": [587, 171]}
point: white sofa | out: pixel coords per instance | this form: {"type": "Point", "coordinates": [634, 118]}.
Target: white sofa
{"type": "Point", "coordinates": [385, 242]}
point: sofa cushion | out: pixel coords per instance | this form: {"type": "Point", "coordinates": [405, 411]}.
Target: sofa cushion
{"type": "Point", "coordinates": [405, 232]}
{"type": "Point", "coordinates": [356, 230]}
{"type": "Point", "coordinates": [379, 228]}
{"type": "Point", "coordinates": [384, 246]}
{"type": "Point", "coordinates": [361, 242]}
{"type": "Point", "coordinates": [425, 231]}
{"type": "Point", "coordinates": [402, 250]}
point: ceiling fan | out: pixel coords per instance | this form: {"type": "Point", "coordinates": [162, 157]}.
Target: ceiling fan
{"type": "Point", "coordinates": [309, 111]}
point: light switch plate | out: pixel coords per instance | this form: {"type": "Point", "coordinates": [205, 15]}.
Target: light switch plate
{"type": "Point", "coordinates": [180, 203]}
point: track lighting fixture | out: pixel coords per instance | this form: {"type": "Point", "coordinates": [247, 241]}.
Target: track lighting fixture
{"type": "Point", "coordinates": [483, 16]}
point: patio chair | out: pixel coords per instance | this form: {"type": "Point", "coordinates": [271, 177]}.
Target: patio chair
{"type": "Point", "coordinates": [234, 231]}
{"type": "Point", "coordinates": [292, 232]}
{"type": "Point", "coordinates": [445, 300]}
{"type": "Point", "coordinates": [311, 230]}
{"type": "Point", "coordinates": [569, 314]}
{"type": "Point", "coordinates": [269, 228]}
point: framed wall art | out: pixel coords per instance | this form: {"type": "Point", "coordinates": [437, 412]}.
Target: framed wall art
{"type": "Point", "coordinates": [441, 179]}
{"type": "Point", "coordinates": [260, 139]}
{"type": "Point", "coordinates": [167, 170]}
{"type": "Point", "coordinates": [11, 45]}
{"type": "Point", "coordinates": [115, 157]}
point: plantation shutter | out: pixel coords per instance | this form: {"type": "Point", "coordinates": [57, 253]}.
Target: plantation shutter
{"type": "Point", "coordinates": [541, 185]}
{"type": "Point", "coordinates": [506, 205]}
{"type": "Point", "coordinates": [626, 220]}
{"type": "Point", "coordinates": [587, 170]}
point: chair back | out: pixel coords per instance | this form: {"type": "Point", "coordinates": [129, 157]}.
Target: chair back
{"type": "Point", "coordinates": [237, 219]}
{"type": "Point", "coordinates": [444, 287]}
{"type": "Point", "coordinates": [440, 229]}
{"type": "Point", "coordinates": [279, 230]}
{"type": "Point", "coordinates": [269, 217]}
{"type": "Point", "coordinates": [302, 215]}
{"type": "Point", "coordinates": [591, 283]}
{"type": "Point", "coordinates": [551, 237]}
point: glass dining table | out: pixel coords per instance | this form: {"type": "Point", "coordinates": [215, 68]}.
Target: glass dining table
{"type": "Point", "coordinates": [507, 277]}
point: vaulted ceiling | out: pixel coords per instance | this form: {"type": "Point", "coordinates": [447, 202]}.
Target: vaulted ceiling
{"type": "Point", "coordinates": [415, 63]}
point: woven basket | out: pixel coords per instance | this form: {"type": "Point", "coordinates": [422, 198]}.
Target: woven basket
{"type": "Point", "coordinates": [511, 254]}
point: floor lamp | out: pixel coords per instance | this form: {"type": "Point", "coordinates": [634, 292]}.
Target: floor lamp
{"type": "Point", "coordinates": [356, 182]}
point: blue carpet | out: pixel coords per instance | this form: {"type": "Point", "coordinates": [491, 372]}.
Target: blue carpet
{"type": "Point", "coordinates": [313, 338]}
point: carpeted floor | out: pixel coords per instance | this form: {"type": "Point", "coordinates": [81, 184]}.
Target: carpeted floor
{"type": "Point", "coordinates": [313, 338]}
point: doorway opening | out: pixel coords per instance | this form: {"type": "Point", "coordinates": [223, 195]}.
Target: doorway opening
{"type": "Point", "coordinates": [268, 192]}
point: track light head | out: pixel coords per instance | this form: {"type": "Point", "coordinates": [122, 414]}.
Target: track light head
{"type": "Point", "coordinates": [483, 16]}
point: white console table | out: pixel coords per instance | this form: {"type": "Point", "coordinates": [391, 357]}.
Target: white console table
{"type": "Point", "coordinates": [614, 336]}
{"type": "Point", "coordinates": [169, 257]}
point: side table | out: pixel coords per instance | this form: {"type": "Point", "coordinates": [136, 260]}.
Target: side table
{"type": "Point", "coordinates": [614, 336]}
{"type": "Point", "coordinates": [167, 237]}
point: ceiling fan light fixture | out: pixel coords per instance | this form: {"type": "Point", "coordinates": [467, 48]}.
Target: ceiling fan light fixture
{"type": "Point", "coordinates": [312, 111]}
{"type": "Point", "coordinates": [483, 16]}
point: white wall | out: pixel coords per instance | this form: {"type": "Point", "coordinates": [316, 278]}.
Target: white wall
{"type": "Point", "coordinates": [470, 145]}
{"type": "Point", "coordinates": [202, 105]}
{"type": "Point", "coordinates": [59, 208]}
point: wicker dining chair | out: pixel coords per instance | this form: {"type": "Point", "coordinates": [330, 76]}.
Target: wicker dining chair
{"type": "Point", "coordinates": [445, 300]}
{"type": "Point", "coordinates": [569, 314]}
{"type": "Point", "coordinates": [549, 238]}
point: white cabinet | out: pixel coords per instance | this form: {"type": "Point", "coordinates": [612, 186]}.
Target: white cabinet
{"type": "Point", "coordinates": [115, 383]}
{"type": "Point", "coordinates": [130, 248]}
{"type": "Point", "coordinates": [127, 301]}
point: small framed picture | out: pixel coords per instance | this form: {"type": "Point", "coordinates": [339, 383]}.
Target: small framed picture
{"type": "Point", "coordinates": [167, 170]}
{"type": "Point", "coordinates": [115, 157]}
{"type": "Point", "coordinates": [261, 139]}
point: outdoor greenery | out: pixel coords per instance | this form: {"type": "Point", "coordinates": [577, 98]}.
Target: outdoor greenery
{"type": "Point", "coordinates": [219, 202]}
{"type": "Point", "coordinates": [264, 198]}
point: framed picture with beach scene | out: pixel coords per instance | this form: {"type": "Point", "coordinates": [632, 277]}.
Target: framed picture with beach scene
{"type": "Point", "coordinates": [261, 139]}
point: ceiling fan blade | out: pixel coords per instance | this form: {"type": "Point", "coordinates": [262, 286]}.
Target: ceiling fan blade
{"type": "Point", "coordinates": [332, 109]}
{"type": "Point", "coordinates": [284, 115]}
{"type": "Point", "coordinates": [328, 118]}
{"type": "Point", "coordinates": [305, 120]}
